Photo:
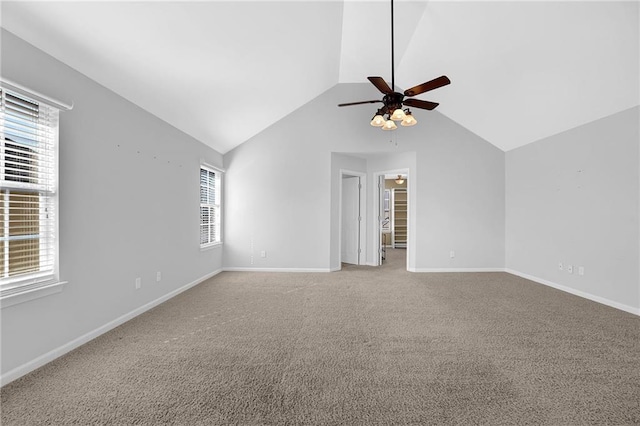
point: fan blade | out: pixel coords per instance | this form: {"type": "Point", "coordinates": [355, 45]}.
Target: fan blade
{"type": "Point", "coordinates": [417, 103]}
{"type": "Point", "coordinates": [380, 84]}
{"type": "Point", "coordinates": [358, 103]}
{"type": "Point", "coordinates": [429, 85]}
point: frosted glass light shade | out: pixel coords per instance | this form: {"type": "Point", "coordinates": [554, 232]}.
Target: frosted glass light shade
{"type": "Point", "coordinates": [378, 121]}
{"type": "Point", "coordinates": [398, 115]}
{"type": "Point", "coordinates": [389, 125]}
{"type": "Point", "coordinates": [409, 120]}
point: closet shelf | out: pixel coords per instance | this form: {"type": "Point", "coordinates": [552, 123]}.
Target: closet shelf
{"type": "Point", "coordinates": [399, 206]}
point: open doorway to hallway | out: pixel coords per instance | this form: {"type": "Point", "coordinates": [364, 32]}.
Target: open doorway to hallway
{"type": "Point", "coordinates": [394, 227]}
{"type": "Point", "coordinates": [392, 231]}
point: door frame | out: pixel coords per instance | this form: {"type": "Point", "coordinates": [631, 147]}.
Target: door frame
{"type": "Point", "coordinates": [362, 256]}
{"type": "Point", "coordinates": [377, 223]}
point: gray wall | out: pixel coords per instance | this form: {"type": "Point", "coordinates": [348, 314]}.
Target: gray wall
{"type": "Point", "coordinates": [458, 181]}
{"type": "Point", "coordinates": [573, 198]}
{"type": "Point", "coordinates": [129, 207]}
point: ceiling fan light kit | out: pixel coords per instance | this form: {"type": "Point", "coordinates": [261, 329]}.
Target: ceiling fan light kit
{"type": "Point", "coordinates": [389, 125]}
{"type": "Point", "coordinates": [394, 101]}
{"type": "Point", "coordinates": [408, 120]}
{"type": "Point", "coordinates": [398, 115]}
{"type": "Point", "coordinates": [378, 120]}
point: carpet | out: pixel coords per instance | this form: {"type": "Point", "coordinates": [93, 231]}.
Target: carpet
{"type": "Point", "coordinates": [363, 346]}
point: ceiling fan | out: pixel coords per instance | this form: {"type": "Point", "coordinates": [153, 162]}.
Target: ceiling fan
{"type": "Point", "coordinates": [393, 102]}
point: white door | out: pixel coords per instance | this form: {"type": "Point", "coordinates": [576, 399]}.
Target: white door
{"type": "Point", "coordinates": [351, 220]}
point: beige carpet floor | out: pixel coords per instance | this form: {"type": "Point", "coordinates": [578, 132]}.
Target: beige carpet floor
{"type": "Point", "coordinates": [363, 346]}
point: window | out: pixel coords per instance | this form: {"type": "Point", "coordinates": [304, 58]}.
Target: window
{"type": "Point", "coordinates": [28, 174]}
{"type": "Point", "coordinates": [209, 206]}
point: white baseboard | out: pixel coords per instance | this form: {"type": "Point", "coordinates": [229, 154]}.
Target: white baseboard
{"type": "Point", "coordinates": [604, 301]}
{"type": "Point", "coordinates": [252, 269]}
{"type": "Point", "coordinates": [38, 362]}
{"type": "Point", "coordinates": [456, 269]}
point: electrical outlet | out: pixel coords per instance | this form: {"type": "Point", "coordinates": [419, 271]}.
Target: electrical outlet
{"type": "Point", "coordinates": [580, 270]}
{"type": "Point", "coordinates": [570, 269]}
{"type": "Point", "coordinates": [452, 254]}
{"type": "Point", "coordinates": [138, 283]}
{"type": "Point", "coordinates": [560, 266]}
{"type": "Point", "coordinates": [263, 253]}
{"type": "Point", "coordinates": [158, 276]}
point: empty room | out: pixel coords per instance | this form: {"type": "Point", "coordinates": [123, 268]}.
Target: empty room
{"type": "Point", "coordinates": [320, 212]}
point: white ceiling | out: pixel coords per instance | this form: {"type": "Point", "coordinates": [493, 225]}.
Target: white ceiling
{"type": "Point", "coordinates": [520, 71]}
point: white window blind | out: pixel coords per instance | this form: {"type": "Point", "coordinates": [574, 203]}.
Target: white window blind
{"type": "Point", "coordinates": [209, 206]}
{"type": "Point", "coordinates": [28, 154]}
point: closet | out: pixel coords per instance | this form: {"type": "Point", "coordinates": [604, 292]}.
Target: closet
{"type": "Point", "coordinates": [399, 217]}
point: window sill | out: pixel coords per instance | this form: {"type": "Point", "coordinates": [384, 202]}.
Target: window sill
{"type": "Point", "coordinates": [211, 246]}
{"type": "Point", "coordinates": [31, 294]}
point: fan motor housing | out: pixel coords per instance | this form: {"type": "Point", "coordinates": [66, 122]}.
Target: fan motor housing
{"type": "Point", "coordinates": [393, 101]}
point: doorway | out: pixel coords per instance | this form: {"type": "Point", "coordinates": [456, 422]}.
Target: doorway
{"type": "Point", "coordinates": [352, 222]}
{"type": "Point", "coordinates": [391, 232]}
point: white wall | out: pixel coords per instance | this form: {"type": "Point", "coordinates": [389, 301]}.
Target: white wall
{"type": "Point", "coordinates": [281, 190]}
{"type": "Point", "coordinates": [129, 198]}
{"type": "Point", "coordinates": [573, 198]}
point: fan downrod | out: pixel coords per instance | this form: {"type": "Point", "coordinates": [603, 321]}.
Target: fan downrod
{"type": "Point", "coordinates": [395, 100]}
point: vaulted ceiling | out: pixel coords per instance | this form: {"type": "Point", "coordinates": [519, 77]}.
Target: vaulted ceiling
{"type": "Point", "coordinates": [222, 71]}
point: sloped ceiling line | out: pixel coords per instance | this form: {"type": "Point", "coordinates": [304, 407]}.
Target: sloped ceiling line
{"type": "Point", "coordinates": [520, 71]}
